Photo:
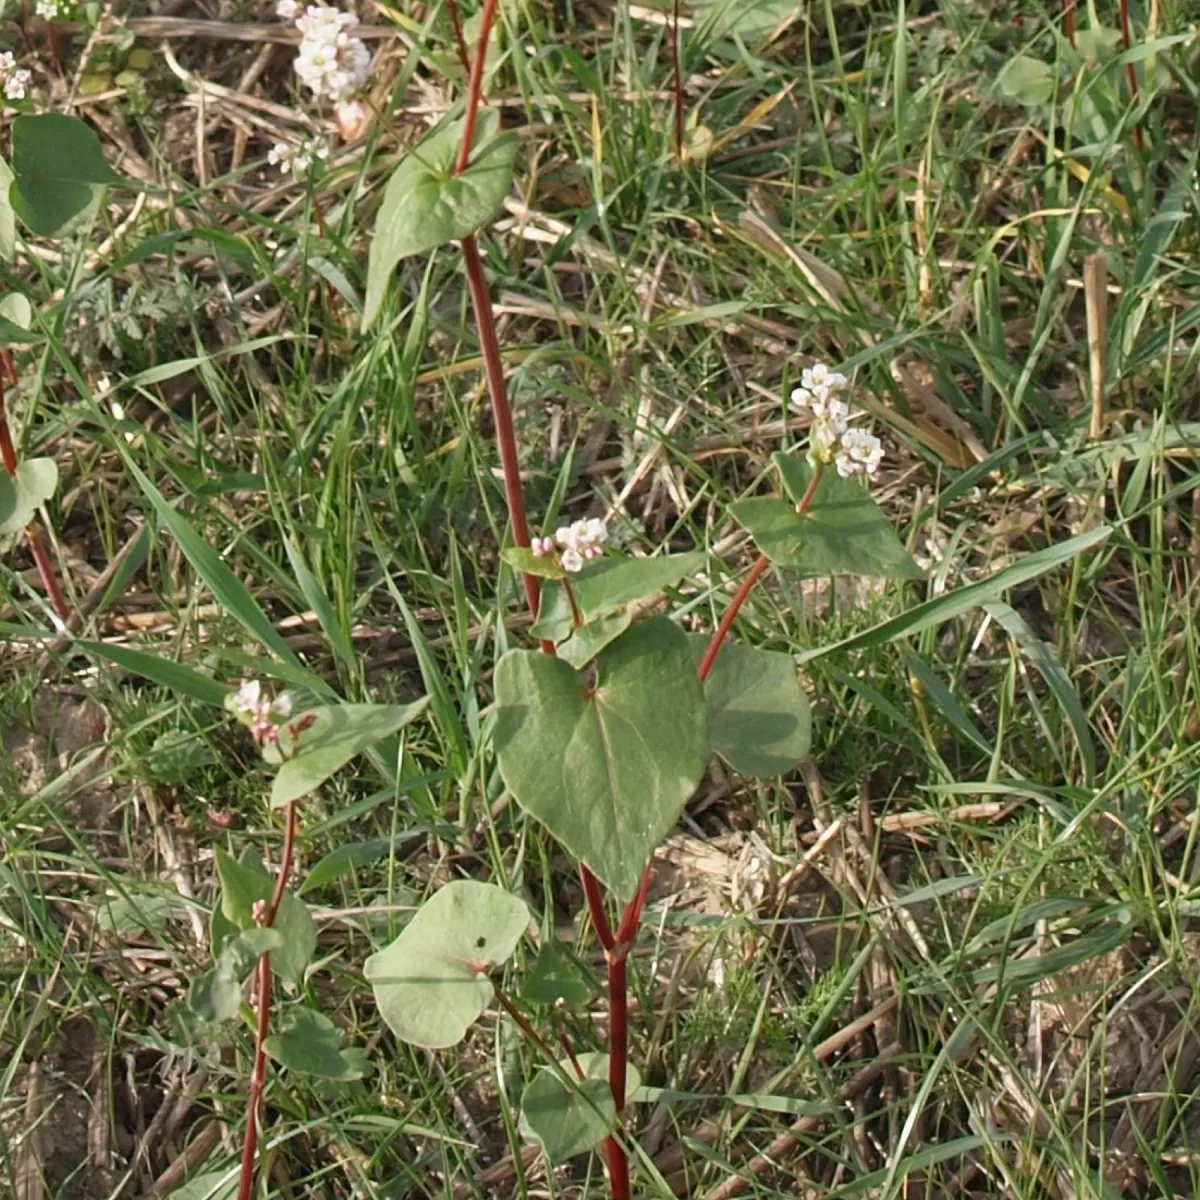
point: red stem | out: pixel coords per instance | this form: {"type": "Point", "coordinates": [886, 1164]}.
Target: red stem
{"type": "Point", "coordinates": [1069, 20]}
{"type": "Point", "coordinates": [524, 1025]}
{"type": "Point", "coordinates": [752, 577]}
{"type": "Point", "coordinates": [674, 36]}
{"type": "Point", "coordinates": [8, 455]}
{"type": "Point", "coordinates": [576, 615]}
{"type": "Point", "coordinates": [475, 86]}
{"type": "Point", "coordinates": [595, 903]}
{"type": "Point", "coordinates": [459, 41]}
{"type": "Point", "coordinates": [1130, 71]}
{"type": "Point", "coordinates": [263, 1000]}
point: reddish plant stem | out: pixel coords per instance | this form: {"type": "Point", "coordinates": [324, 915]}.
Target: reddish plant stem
{"type": "Point", "coordinates": [8, 455]}
{"type": "Point", "coordinates": [459, 40]}
{"type": "Point", "coordinates": [475, 86]}
{"type": "Point", "coordinates": [493, 362]}
{"type": "Point", "coordinates": [1069, 20]}
{"type": "Point", "coordinates": [576, 615]}
{"type": "Point", "coordinates": [1131, 72]}
{"type": "Point", "coordinates": [595, 903]}
{"type": "Point", "coordinates": [48, 575]}
{"type": "Point", "coordinates": [263, 1001]}
{"type": "Point", "coordinates": [675, 57]}
{"type": "Point", "coordinates": [523, 1023]}
{"type": "Point", "coordinates": [569, 1051]}
{"type": "Point", "coordinates": [752, 577]}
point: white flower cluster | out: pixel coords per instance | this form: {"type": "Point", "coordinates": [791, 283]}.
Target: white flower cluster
{"type": "Point", "coordinates": [331, 60]}
{"type": "Point", "coordinates": [260, 712]}
{"type": "Point", "coordinates": [830, 437]}
{"type": "Point", "coordinates": [297, 159]}
{"type": "Point", "coordinates": [55, 10]}
{"type": "Point", "coordinates": [578, 543]}
{"type": "Point", "coordinates": [15, 80]}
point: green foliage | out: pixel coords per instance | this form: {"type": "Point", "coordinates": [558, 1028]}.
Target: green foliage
{"type": "Point", "coordinates": [8, 218]}
{"type": "Point", "coordinates": [567, 1115]}
{"type": "Point", "coordinates": [22, 494]}
{"type": "Point", "coordinates": [215, 995]}
{"type": "Point", "coordinates": [555, 979]}
{"type": "Point", "coordinates": [1026, 80]}
{"type": "Point", "coordinates": [524, 560]}
{"type": "Point", "coordinates": [606, 767]}
{"type": "Point", "coordinates": [610, 585]}
{"type": "Point", "coordinates": [426, 204]}
{"type": "Point", "coordinates": [58, 170]}
{"type": "Point", "coordinates": [243, 883]}
{"type": "Point", "coordinates": [432, 982]}
{"type": "Point", "coordinates": [758, 714]}
{"type": "Point", "coordinates": [310, 1042]}
{"type": "Point", "coordinates": [335, 735]}
{"type": "Point", "coordinates": [843, 532]}
{"type": "Point", "coordinates": [212, 1185]}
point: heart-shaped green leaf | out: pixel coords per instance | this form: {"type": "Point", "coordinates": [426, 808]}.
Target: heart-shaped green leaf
{"type": "Point", "coordinates": [758, 714]}
{"type": "Point", "coordinates": [22, 494]}
{"type": "Point", "coordinates": [1026, 80]}
{"type": "Point", "coordinates": [610, 585]}
{"type": "Point", "coordinates": [243, 882]}
{"type": "Point", "coordinates": [432, 982]}
{"type": "Point", "coordinates": [426, 204]}
{"type": "Point", "coordinates": [567, 1119]}
{"type": "Point", "coordinates": [606, 767]}
{"type": "Point", "coordinates": [844, 532]}
{"type": "Point", "coordinates": [337, 733]}
{"type": "Point", "coordinates": [58, 168]}
{"type": "Point", "coordinates": [555, 979]}
{"type": "Point", "coordinates": [310, 1042]}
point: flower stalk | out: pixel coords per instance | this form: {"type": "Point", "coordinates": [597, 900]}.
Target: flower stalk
{"type": "Point", "coordinates": [262, 1000]}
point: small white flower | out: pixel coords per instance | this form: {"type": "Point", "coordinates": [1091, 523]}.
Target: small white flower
{"type": "Point", "coordinates": [281, 156]}
{"type": "Point", "coordinates": [283, 706]}
{"type": "Point", "coordinates": [248, 698]}
{"type": "Point", "coordinates": [820, 379]}
{"type": "Point", "coordinates": [543, 547]}
{"type": "Point", "coordinates": [861, 453]}
{"type": "Point", "coordinates": [597, 531]}
{"type": "Point", "coordinates": [287, 9]}
{"type": "Point", "coordinates": [16, 84]}
{"type": "Point", "coordinates": [572, 560]}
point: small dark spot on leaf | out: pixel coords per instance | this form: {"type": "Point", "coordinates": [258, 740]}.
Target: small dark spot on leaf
{"type": "Point", "coordinates": [480, 942]}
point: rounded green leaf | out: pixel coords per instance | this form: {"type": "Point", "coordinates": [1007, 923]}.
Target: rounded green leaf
{"type": "Point", "coordinates": [1026, 80]}
{"type": "Point", "coordinates": [758, 714]}
{"type": "Point", "coordinates": [606, 767]}
{"type": "Point", "coordinates": [432, 982]}
{"type": "Point", "coordinates": [426, 204]}
{"type": "Point", "coordinates": [58, 166]}
{"type": "Point", "coordinates": [844, 532]}
{"type": "Point", "coordinates": [310, 1042]}
{"type": "Point", "coordinates": [567, 1115]}
{"type": "Point", "coordinates": [336, 734]}
{"type": "Point", "coordinates": [22, 494]}
{"type": "Point", "coordinates": [16, 313]}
